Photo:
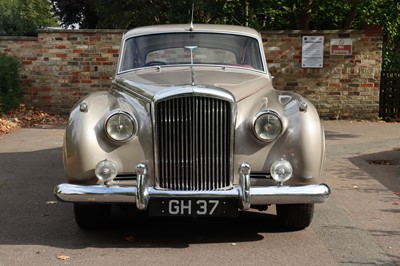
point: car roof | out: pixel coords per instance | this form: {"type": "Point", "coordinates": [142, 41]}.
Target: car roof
{"type": "Point", "coordinates": [169, 28]}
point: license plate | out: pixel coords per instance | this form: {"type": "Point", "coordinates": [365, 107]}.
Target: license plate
{"type": "Point", "coordinates": [193, 207]}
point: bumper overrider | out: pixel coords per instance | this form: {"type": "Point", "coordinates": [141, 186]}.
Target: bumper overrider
{"type": "Point", "coordinates": [141, 194]}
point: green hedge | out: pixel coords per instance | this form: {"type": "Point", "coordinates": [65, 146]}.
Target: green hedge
{"type": "Point", "coordinates": [10, 84]}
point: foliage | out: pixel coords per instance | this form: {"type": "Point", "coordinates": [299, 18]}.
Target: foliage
{"type": "Point", "coordinates": [78, 12]}
{"type": "Point", "coordinates": [391, 21]}
{"type": "Point", "coordinates": [113, 14]}
{"type": "Point", "coordinates": [24, 17]}
{"type": "Point", "coordinates": [10, 86]}
{"type": "Point", "coordinates": [11, 24]}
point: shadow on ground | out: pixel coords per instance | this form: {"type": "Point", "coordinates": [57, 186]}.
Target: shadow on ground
{"type": "Point", "coordinates": [383, 166]}
{"type": "Point", "coordinates": [332, 135]}
{"type": "Point", "coordinates": [30, 215]}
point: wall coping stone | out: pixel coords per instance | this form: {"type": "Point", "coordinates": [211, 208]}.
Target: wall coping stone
{"type": "Point", "coordinates": [18, 38]}
{"type": "Point", "coordinates": [326, 32]}
{"type": "Point", "coordinates": [78, 31]}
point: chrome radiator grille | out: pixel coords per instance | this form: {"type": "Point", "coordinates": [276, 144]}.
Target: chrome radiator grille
{"type": "Point", "coordinates": [193, 143]}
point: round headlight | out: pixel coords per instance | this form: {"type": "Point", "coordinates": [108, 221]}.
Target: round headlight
{"type": "Point", "coordinates": [281, 171]}
{"type": "Point", "coordinates": [267, 126]}
{"type": "Point", "coordinates": [120, 126]}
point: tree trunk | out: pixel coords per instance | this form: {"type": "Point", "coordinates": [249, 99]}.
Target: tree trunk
{"type": "Point", "coordinates": [305, 14]}
{"type": "Point", "coordinates": [351, 15]}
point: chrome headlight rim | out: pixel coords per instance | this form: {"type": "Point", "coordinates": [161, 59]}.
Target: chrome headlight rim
{"type": "Point", "coordinates": [263, 113]}
{"type": "Point", "coordinates": [130, 118]}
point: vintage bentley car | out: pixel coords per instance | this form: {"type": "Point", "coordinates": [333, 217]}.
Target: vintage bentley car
{"type": "Point", "coordinates": [192, 126]}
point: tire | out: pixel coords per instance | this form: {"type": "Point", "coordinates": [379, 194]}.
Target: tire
{"type": "Point", "coordinates": [295, 216]}
{"type": "Point", "coordinates": [92, 216]}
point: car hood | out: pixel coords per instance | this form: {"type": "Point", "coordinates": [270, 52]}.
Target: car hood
{"type": "Point", "coordinates": [150, 82]}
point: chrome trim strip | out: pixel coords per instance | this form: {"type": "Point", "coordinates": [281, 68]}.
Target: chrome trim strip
{"type": "Point", "coordinates": [244, 182]}
{"type": "Point", "coordinates": [258, 195]}
{"type": "Point", "coordinates": [142, 190]}
{"type": "Point", "coordinates": [261, 175]}
{"type": "Point", "coordinates": [95, 194]}
{"type": "Point", "coordinates": [290, 194]}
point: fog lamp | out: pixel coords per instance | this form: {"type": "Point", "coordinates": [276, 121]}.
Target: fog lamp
{"type": "Point", "coordinates": [106, 170]}
{"type": "Point", "coordinates": [281, 171]}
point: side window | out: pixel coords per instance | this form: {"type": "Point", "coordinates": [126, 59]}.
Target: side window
{"type": "Point", "coordinates": [127, 59]}
{"type": "Point", "coordinates": [251, 55]}
{"type": "Point", "coordinates": [131, 56]}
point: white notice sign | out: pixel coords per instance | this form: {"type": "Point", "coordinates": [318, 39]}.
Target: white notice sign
{"type": "Point", "coordinates": [312, 52]}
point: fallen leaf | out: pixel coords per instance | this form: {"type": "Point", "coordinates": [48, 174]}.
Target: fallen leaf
{"type": "Point", "coordinates": [130, 238]}
{"type": "Point", "coordinates": [28, 117]}
{"type": "Point", "coordinates": [63, 257]}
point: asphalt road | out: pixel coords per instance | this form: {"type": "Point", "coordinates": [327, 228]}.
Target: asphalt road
{"type": "Point", "coordinates": [359, 225]}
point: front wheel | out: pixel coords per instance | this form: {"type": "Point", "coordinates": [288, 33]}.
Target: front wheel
{"type": "Point", "coordinates": [295, 216]}
{"type": "Point", "coordinates": [92, 216]}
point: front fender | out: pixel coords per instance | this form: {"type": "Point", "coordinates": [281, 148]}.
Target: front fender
{"type": "Point", "coordinates": [85, 143]}
{"type": "Point", "coordinates": [302, 141]}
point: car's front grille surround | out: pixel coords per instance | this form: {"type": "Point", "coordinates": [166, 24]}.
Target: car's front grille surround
{"type": "Point", "coordinates": [193, 143]}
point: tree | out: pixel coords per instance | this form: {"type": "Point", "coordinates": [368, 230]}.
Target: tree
{"type": "Point", "coordinates": [114, 14]}
{"type": "Point", "coordinates": [78, 12]}
{"type": "Point", "coordinates": [24, 17]}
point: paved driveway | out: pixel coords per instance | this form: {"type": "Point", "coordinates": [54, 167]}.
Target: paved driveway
{"type": "Point", "coordinates": [360, 224]}
{"type": "Point", "coordinates": [363, 170]}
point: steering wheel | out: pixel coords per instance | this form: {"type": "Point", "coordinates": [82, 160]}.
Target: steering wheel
{"type": "Point", "coordinates": [154, 63]}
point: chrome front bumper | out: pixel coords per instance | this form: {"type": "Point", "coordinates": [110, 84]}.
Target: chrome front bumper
{"type": "Point", "coordinates": [142, 193]}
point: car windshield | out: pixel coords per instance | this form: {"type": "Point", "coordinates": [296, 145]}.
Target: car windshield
{"type": "Point", "coordinates": [191, 48]}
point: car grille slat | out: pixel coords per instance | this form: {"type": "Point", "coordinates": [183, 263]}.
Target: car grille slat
{"type": "Point", "coordinates": [193, 143]}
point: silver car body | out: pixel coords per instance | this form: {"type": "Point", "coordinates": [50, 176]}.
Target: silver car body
{"type": "Point", "coordinates": [177, 137]}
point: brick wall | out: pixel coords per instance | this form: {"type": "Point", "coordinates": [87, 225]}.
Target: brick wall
{"type": "Point", "coordinates": [346, 87]}
{"type": "Point", "coordinates": [61, 66]}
